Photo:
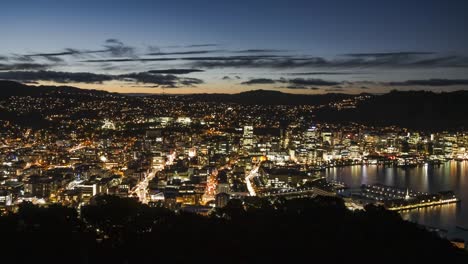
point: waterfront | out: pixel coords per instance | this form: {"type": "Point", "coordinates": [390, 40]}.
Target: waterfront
{"type": "Point", "coordinates": [451, 175]}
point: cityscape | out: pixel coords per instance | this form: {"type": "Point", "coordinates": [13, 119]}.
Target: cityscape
{"type": "Point", "coordinates": [248, 141]}
{"type": "Point", "coordinates": [193, 156]}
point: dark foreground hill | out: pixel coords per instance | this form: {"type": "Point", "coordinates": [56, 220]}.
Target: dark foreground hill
{"type": "Point", "coordinates": [414, 109]}
{"type": "Point", "coordinates": [115, 230]}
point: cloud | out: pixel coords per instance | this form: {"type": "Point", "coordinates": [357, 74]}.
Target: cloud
{"type": "Point", "coordinates": [299, 87]}
{"type": "Point", "coordinates": [334, 90]}
{"type": "Point", "coordinates": [201, 45]}
{"type": "Point", "coordinates": [259, 50]}
{"type": "Point", "coordinates": [113, 47]}
{"type": "Point", "coordinates": [60, 77]}
{"type": "Point", "coordinates": [23, 66]}
{"type": "Point", "coordinates": [308, 82]}
{"type": "Point", "coordinates": [389, 54]}
{"type": "Point", "coordinates": [176, 71]}
{"type": "Point", "coordinates": [297, 83]}
{"type": "Point", "coordinates": [63, 53]}
{"type": "Point", "coordinates": [53, 59]}
{"type": "Point", "coordinates": [386, 61]}
{"type": "Point", "coordinates": [21, 58]}
{"type": "Point", "coordinates": [231, 78]}
{"type": "Point", "coordinates": [164, 80]}
{"type": "Point", "coordinates": [259, 81]}
{"type": "Point", "coordinates": [432, 82]}
{"type": "Point", "coordinates": [114, 41]}
{"type": "Point", "coordinates": [4, 58]}
{"type": "Point", "coordinates": [182, 52]}
{"type": "Point", "coordinates": [231, 58]}
{"type": "Point", "coordinates": [117, 48]}
{"type": "Point", "coordinates": [131, 60]}
{"type": "Point", "coordinates": [322, 73]}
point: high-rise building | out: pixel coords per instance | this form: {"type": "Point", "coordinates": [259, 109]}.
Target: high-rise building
{"type": "Point", "coordinates": [247, 140]}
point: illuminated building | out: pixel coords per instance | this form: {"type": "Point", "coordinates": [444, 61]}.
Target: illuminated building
{"type": "Point", "coordinates": [222, 199]}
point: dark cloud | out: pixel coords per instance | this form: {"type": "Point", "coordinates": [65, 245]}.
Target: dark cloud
{"type": "Point", "coordinates": [389, 54]}
{"type": "Point", "coordinates": [152, 48]}
{"type": "Point", "coordinates": [388, 61]}
{"type": "Point", "coordinates": [167, 80]}
{"type": "Point", "coordinates": [231, 78]}
{"type": "Point", "coordinates": [201, 45]}
{"type": "Point", "coordinates": [131, 60]}
{"type": "Point", "coordinates": [297, 83]}
{"type": "Point", "coordinates": [114, 47]}
{"type": "Point", "coordinates": [364, 88]}
{"type": "Point", "coordinates": [300, 87]}
{"type": "Point", "coordinates": [117, 48]}
{"type": "Point", "coordinates": [308, 82]}
{"type": "Point", "coordinates": [259, 50]}
{"type": "Point", "coordinates": [176, 71]}
{"type": "Point", "coordinates": [259, 81]}
{"type": "Point", "coordinates": [60, 77]}
{"type": "Point", "coordinates": [4, 58]}
{"type": "Point", "coordinates": [114, 41]}
{"type": "Point", "coordinates": [183, 52]}
{"type": "Point", "coordinates": [267, 61]}
{"type": "Point", "coordinates": [53, 59]}
{"type": "Point", "coordinates": [190, 81]}
{"type": "Point", "coordinates": [63, 53]}
{"type": "Point", "coordinates": [322, 73]}
{"type": "Point", "coordinates": [23, 66]}
{"type": "Point", "coordinates": [232, 58]}
{"type": "Point", "coordinates": [21, 58]}
{"type": "Point", "coordinates": [164, 80]}
{"type": "Point", "coordinates": [334, 90]}
{"type": "Point", "coordinates": [432, 82]}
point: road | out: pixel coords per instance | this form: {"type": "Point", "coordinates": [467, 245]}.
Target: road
{"type": "Point", "coordinates": [249, 178]}
{"type": "Point", "coordinates": [141, 189]}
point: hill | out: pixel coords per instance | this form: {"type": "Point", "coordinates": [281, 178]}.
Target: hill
{"type": "Point", "coordinates": [412, 109]}
{"type": "Point", "coordinates": [11, 88]}
{"type": "Point", "coordinates": [266, 97]}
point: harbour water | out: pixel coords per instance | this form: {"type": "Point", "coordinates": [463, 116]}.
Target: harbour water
{"type": "Point", "coordinates": [451, 175]}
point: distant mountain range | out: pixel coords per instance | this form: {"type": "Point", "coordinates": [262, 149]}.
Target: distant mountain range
{"type": "Point", "coordinates": [411, 109]}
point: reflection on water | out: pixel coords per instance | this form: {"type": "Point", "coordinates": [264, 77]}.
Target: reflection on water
{"type": "Point", "coordinates": [449, 176]}
{"type": "Point", "coordinates": [441, 216]}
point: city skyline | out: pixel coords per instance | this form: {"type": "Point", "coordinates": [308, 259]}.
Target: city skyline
{"type": "Point", "coordinates": [247, 131]}
{"type": "Point", "coordinates": [230, 47]}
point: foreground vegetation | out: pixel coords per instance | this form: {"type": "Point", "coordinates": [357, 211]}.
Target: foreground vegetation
{"type": "Point", "coordinates": [116, 230]}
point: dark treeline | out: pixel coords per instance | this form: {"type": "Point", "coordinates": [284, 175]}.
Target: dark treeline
{"type": "Point", "coordinates": [117, 230]}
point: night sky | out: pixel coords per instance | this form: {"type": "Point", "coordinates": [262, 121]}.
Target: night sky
{"type": "Point", "coordinates": [233, 46]}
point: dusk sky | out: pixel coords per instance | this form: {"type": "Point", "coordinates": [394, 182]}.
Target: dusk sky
{"type": "Point", "coordinates": [234, 46]}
